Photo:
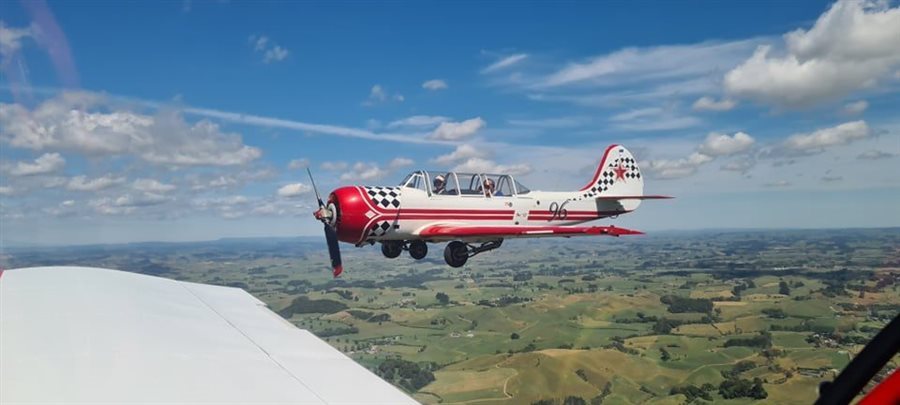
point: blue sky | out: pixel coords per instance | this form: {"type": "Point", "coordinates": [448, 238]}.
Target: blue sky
{"type": "Point", "coordinates": [186, 121]}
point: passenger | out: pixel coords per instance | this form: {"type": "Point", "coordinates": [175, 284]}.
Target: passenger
{"type": "Point", "coordinates": [439, 184]}
{"type": "Point", "coordinates": [488, 187]}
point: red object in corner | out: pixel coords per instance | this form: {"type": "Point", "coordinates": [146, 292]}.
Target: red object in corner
{"type": "Point", "coordinates": [888, 392]}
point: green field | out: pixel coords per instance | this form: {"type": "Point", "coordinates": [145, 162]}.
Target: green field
{"type": "Point", "coordinates": [541, 320]}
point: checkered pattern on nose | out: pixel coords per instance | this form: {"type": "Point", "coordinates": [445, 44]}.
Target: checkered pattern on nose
{"type": "Point", "coordinates": [384, 197]}
{"type": "Point", "coordinates": [380, 229]}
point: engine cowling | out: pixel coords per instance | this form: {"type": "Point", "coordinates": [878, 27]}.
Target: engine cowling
{"type": "Point", "coordinates": [349, 214]}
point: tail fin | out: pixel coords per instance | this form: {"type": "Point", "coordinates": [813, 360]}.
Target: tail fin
{"type": "Point", "coordinates": [617, 175]}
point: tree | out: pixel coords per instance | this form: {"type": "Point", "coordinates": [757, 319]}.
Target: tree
{"type": "Point", "coordinates": [514, 336]}
{"type": "Point", "coordinates": [444, 299]}
{"type": "Point", "coordinates": [665, 356]}
{"type": "Point", "coordinates": [783, 288]}
{"type": "Point", "coordinates": [573, 400]}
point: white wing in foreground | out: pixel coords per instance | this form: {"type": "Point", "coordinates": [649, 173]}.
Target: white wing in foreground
{"type": "Point", "coordinates": [87, 335]}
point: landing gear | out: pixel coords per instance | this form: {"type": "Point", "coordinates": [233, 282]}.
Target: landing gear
{"type": "Point", "coordinates": [418, 249]}
{"type": "Point", "coordinates": [391, 248]}
{"type": "Point", "coordinates": [457, 253]}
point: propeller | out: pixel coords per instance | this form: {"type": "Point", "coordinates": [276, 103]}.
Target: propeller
{"type": "Point", "coordinates": [326, 215]}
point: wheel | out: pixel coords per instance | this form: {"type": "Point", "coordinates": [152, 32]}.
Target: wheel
{"type": "Point", "coordinates": [391, 248]}
{"type": "Point", "coordinates": [456, 253]}
{"type": "Point", "coordinates": [418, 249]}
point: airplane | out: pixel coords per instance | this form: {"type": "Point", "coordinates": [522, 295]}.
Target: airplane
{"type": "Point", "coordinates": [475, 212]}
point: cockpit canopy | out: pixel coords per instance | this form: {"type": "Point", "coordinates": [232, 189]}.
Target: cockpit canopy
{"type": "Point", "coordinates": [436, 182]}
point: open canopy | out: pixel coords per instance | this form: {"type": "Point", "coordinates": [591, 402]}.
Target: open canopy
{"type": "Point", "coordinates": [436, 182]}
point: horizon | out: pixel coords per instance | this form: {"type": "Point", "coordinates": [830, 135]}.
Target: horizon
{"type": "Point", "coordinates": [7, 244]}
{"type": "Point", "coordinates": [196, 122]}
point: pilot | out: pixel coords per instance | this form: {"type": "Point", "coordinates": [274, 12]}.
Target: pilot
{"type": "Point", "coordinates": [488, 187]}
{"type": "Point", "coordinates": [439, 184]}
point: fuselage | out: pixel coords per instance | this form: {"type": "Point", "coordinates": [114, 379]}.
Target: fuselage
{"type": "Point", "coordinates": [372, 214]}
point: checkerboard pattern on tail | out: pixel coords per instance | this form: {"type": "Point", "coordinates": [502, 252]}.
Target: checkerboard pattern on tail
{"type": "Point", "coordinates": [620, 175]}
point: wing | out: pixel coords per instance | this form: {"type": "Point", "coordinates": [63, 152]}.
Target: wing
{"type": "Point", "coordinates": [463, 231]}
{"type": "Point", "coordinates": [87, 335]}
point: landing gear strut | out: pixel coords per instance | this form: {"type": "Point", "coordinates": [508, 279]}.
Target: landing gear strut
{"type": "Point", "coordinates": [457, 253]}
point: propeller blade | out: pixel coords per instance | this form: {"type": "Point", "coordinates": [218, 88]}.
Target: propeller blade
{"type": "Point", "coordinates": [334, 250]}
{"type": "Point", "coordinates": [321, 204]}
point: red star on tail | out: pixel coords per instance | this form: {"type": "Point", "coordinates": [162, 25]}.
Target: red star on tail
{"type": "Point", "coordinates": [620, 171]}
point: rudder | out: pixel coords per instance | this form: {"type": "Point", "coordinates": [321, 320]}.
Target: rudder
{"type": "Point", "coordinates": [617, 175]}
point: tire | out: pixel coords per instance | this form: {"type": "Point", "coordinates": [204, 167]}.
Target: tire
{"type": "Point", "coordinates": [391, 249]}
{"type": "Point", "coordinates": [418, 249]}
{"type": "Point", "coordinates": [456, 254]}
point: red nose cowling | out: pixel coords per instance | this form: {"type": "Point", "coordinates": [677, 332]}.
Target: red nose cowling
{"type": "Point", "coordinates": [351, 214]}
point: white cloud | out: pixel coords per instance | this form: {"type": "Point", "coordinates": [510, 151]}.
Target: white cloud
{"type": "Point", "coordinates": [778, 184]}
{"type": "Point", "coordinates": [66, 122]}
{"type": "Point", "coordinates": [45, 164]}
{"type": "Point", "coordinates": [275, 54]}
{"type": "Point", "coordinates": [480, 165]}
{"type": "Point", "coordinates": [827, 137]}
{"type": "Point", "coordinates": [259, 43]}
{"type": "Point", "coordinates": [674, 169]}
{"type": "Point", "coordinates": [633, 65]}
{"type": "Point", "coordinates": [505, 62]}
{"type": "Point", "coordinates": [296, 164]}
{"type": "Point", "coordinates": [364, 172]}
{"type": "Point", "coordinates": [717, 144]}
{"type": "Point", "coordinates": [462, 152]}
{"type": "Point", "coordinates": [741, 165]}
{"type": "Point", "coordinates": [140, 200]}
{"type": "Point", "coordinates": [6, 190]}
{"type": "Point", "coordinates": [270, 51]}
{"type": "Point", "coordinates": [334, 166]}
{"type": "Point", "coordinates": [832, 178]}
{"type": "Point", "coordinates": [707, 103]}
{"type": "Point", "coordinates": [856, 107]}
{"type": "Point", "coordinates": [455, 131]}
{"type": "Point", "coordinates": [83, 183]}
{"type": "Point", "coordinates": [378, 94]}
{"type": "Point", "coordinates": [399, 162]}
{"type": "Point", "coordinates": [418, 121]}
{"type": "Point", "coordinates": [850, 47]}
{"type": "Point", "coordinates": [293, 190]}
{"type": "Point", "coordinates": [652, 119]}
{"type": "Point", "coordinates": [875, 155]}
{"type": "Point", "coordinates": [152, 186]}
{"type": "Point", "coordinates": [11, 41]}
{"type": "Point", "coordinates": [221, 181]}
{"type": "Point", "coordinates": [434, 84]}
{"type": "Point", "coordinates": [549, 123]}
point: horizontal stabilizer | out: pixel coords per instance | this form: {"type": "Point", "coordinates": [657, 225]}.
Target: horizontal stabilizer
{"type": "Point", "coordinates": [635, 197]}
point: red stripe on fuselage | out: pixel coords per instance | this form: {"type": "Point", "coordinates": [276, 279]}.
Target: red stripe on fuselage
{"type": "Point", "coordinates": [403, 216]}
{"type": "Point", "coordinates": [454, 211]}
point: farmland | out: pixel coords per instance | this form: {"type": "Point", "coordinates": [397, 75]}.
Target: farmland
{"type": "Point", "coordinates": [732, 317]}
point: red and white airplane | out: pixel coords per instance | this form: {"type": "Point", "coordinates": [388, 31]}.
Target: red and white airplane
{"type": "Point", "coordinates": [476, 211]}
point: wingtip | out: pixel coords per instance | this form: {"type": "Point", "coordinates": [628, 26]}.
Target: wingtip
{"type": "Point", "coordinates": [337, 271]}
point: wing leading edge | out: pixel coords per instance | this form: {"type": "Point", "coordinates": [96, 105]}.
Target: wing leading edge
{"type": "Point", "coordinates": [457, 231]}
